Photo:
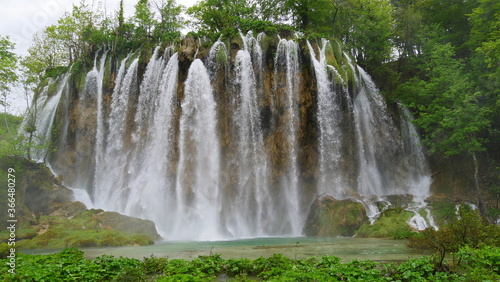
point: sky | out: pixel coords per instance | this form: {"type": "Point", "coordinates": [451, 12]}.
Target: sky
{"type": "Point", "coordinates": [20, 19]}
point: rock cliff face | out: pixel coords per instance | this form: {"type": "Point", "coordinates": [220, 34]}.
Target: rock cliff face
{"type": "Point", "coordinates": [237, 139]}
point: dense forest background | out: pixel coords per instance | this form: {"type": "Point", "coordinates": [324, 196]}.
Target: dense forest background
{"type": "Point", "coordinates": [439, 58]}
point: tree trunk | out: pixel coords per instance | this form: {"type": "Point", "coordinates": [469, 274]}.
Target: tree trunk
{"type": "Point", "coordinates": [480, 204]}
{"type": "Point", "coordinates": [28, 150]}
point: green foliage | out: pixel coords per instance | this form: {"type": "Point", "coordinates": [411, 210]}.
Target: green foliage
{"type": "Point", "coordinates": [449, 111]}
{"type": "Point", "coordinates": [466, 229]}
{"type": "Point", "coordinates": [70, 265]}
{"type": "Point", "coordinates": [443, 212]}
{"type": "Point", "coordinates": [9, 124]}
{"type": "Point", "coordinates": [143, 19]}
{"type": "Point", "coordinates": [8, 66]}
{"type": "Point", "coordinates": [171, 20]}
{"type": "Point", "coordinates": [480, 264]}
{"type": "Point", "coordinates": [392, 223]}
{"type": "Point", "coordinates": [218, 16]}
{"type": "Point", "coordinates": [5, 250]}
{"type": "Point", "coordinates": [451, 15]}
{"type": "Point", "coordinates": [56, 71]}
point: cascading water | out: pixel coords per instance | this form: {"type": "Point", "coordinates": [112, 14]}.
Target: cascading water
{"type": "Point", "coordinates": [330, 181]}
{"type": "Point", "coordinates": [140, 172]}
{"type": "Point", "coordinates": [151, 163]}
{"type": "Point", "coordinates": [390, 161]}
{"type": "Point", "coordinates": [389, 165]}
{"type": "Point", "coordinates": [197, 188]}
{"type": "Point", "coordinates": [110, 179]}
{"type": "Point", "coordinates": [287, 96]}
{"type": "Point", "coordinates": [211, 150]}
{"type": "Point", "coordinates": [42, 114]}
{"type": "Point", "coordinates": [251, 201]}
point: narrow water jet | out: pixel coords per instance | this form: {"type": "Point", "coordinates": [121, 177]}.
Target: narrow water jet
{"type": "Point", "coordinates": [197, 185]}
{"type": "Point", "coordinates": [287, 83]}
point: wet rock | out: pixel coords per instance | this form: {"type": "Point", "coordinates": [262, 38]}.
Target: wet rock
{"type": "Point", "coordinates": [68, 210]}
{"type": "Point", "coordinates": [331, 217]}
{"type": "Point", "coordinates": [119, 222]}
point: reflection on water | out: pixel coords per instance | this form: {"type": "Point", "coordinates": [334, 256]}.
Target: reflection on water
{"type": "Point", "coordinates": [297, 248]}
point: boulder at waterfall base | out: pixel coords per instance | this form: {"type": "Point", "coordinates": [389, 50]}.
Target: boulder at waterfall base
{"type": "Point", "coordinates": [329, 217]}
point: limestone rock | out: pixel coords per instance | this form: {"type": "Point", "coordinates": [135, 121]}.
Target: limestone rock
{"type": "Point", "coordinates": [68, 210]}
{"type": "Point", "coordinates": [119, 222]}
{"type": "Point", "coordinates": [331, 217]}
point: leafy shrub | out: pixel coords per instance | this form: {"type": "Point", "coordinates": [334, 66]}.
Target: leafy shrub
{"type": "Point", "coordinates": [56, 71]}
{"type": "Point", "coordinates": [211, 265]}
{"type": "Point", "coordinates": [414, 269]}
{"type": "Point", "coordinates": [234, 267]}
{"type": "Point", "coordinates": [480, 264]}
{"type": "Point", "coordinates": [153, 265]}
{"type": "Point", "coordinates": [69, 265]}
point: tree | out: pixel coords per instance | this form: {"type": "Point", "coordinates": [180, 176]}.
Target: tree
{"type": "Point", "coordinates": [451, 16]}
{"type": "Point", "coordinates": [485, 42]}
{"type": "Point", "coordinates": [44, 54]}
{"type": "Point", "coordinates": [467, 228]}
{"type": "Point", "coordinates": [121, 19]}
{"type": "Point", "coordinates": [365, 26]}
{"type": "Point", "coordinates": [216, 16]}
{"type": "Point", "coordinates": [8, 64]}
{"type": "Point", "coordinates": [407, 34]}
{"type": "Point", "coordinates": [448, 109]}
{"type": "Point", "coordinates": [171, 20]}
{"type": "Point", "coordinates": [75, 30]}
{"type": "Point", "coordinates": [143, 19]}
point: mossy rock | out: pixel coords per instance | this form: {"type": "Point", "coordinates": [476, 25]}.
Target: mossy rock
{"type": "Point", "coordinates": [392, 223]}
{"type": "Point", "coordinates": [59, 238]}
{"type": "Point", "coordinates": [116, 221]}
{"type": "Point", "coordinates": [92, 228]}
{"type": "Point", "coordinates": [329, 217]}
{"type": "Point", "coordinates": [68, 210]}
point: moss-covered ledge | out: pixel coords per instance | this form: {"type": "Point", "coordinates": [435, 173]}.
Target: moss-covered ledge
{"type": "Point", "coordinates": [48, 218]}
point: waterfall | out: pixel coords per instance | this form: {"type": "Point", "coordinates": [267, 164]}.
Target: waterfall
{"type": "Point", "coordinates": [43, 113]}
{"type": "Point", "coordinates": [287, 96]}
{"type": "Point", "coordinates": [213, 149]}
{"type": "Point", "coordinates": [390, 160]}
{"type": "Point", "coordinates": [250, 205]}
{"type": "Point", "coordinates": [149, 163]}
{"type": "Point", "coordinates": [90, 95]}
{"type": "Point", "coordinates": [100, 119]}
{"type": "Point", "coordinates": [111, 175]}
{"type": "Point", "coordinates": [330, 181]}
{"type": "Point", "coordinates": [197, 186]}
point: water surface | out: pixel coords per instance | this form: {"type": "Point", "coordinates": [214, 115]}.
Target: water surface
{"type": "Point", "coordinates": [296, 248]}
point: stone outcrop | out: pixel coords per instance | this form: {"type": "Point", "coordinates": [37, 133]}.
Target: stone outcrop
{"type": "Point", "coordinates": [329, 217]}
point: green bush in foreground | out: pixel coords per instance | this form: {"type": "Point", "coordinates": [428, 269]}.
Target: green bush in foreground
{"type": "Point", "coordinates": [70, 265]}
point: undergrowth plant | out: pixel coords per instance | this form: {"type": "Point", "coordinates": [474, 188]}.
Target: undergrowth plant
{"type": "Point", "coordinates": [482, 264]}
